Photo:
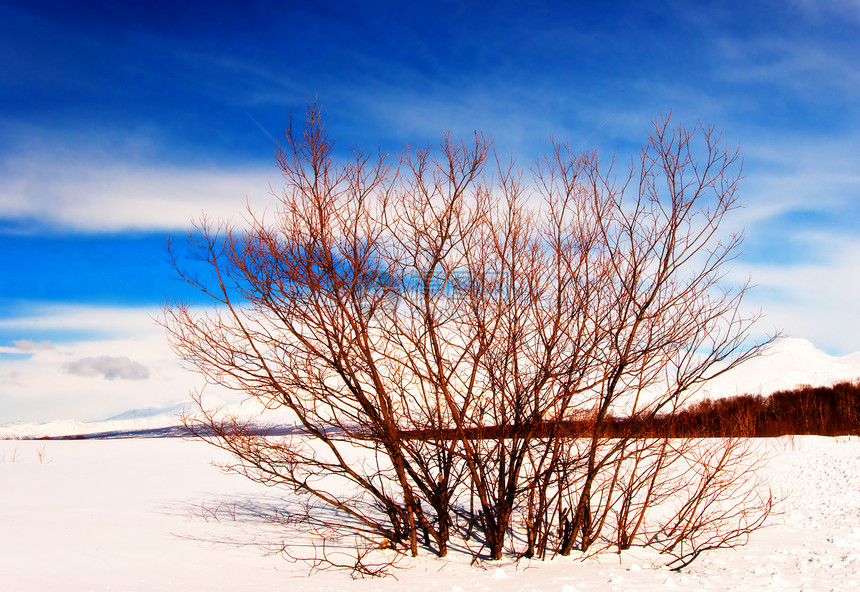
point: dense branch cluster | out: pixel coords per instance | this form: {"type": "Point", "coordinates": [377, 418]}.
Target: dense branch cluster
{"type": "Point", "coordinates": [434, 321]}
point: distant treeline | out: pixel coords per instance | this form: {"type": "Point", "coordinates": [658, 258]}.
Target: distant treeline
{"type": "Point", "coordinates": [824, 411]}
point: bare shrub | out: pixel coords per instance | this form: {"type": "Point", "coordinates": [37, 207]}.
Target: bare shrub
{"type": "Point", "coordinates": [42, 454]}
{"type": "Point", "coordinates": [12, 458]}
{"type": "Point", "coordinates": [210, 512]}
{"type": "Point", "coordinates": [457, 355]}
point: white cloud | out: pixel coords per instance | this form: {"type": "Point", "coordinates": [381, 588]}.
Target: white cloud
{"type": "Point", "coordinates": [105, 321]}
{"type": "Point", "coordinates": [801, 202]}
{"type": "Point", "coordinates": [801, 211]}
{"type": "Point", "coordinates": [817, 301]}
{"type": "Point", "coordinates": [108, 367]}
{"type": "Point", "coordinates": [788, 171]}
{"type": "Point", "coordinates": [95, 193]}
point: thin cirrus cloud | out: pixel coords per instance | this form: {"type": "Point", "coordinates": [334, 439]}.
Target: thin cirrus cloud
{"type": "Point", "coordinates": [843, 9]}
{"type": "Point", "coordinates": [73, 322]}
{"type": "Point", "coordinates": [27, 345]}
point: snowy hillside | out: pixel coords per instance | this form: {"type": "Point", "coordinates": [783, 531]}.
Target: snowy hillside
{"type": "Point", "coordinates": [131, 421]}
{"type": "Point", "coordinates": [146, 422]}
{"type": "Point", "coordinates": [788, 363]}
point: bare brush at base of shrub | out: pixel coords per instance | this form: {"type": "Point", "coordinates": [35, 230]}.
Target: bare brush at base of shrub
{"type": "Point", "coordinates": [456, 354]}
{"type": "Point", "coordinates": [361, 557]}
{"type": "Point", "coordinates": [722, 504]}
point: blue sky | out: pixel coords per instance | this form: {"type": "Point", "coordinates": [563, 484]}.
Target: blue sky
{"type": "Point", "coordinates": [120, 122]}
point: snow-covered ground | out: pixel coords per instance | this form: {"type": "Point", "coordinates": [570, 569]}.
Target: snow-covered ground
{"type": "Point", "coordinates": [153, 514]}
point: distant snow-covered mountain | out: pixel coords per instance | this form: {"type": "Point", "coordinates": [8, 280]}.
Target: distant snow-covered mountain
{"type": "Point", "coordinates": [135, 420]}
{"type": "Point", "coordinates": [788, 363]}
{"type": "Point", "coordinates": [151, 421]}
{"type": "Point", "coordinates": [174, 411]}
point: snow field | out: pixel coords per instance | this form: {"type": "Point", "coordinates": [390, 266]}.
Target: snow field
{"type": "Point", "coordinates": [154, 514]}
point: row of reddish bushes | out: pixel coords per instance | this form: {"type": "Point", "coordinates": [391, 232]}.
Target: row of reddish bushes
{"type": "Point", "coordinates": [824, 411]}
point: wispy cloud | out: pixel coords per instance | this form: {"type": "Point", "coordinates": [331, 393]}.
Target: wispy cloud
{"type": "Point", "coordinates": [801, 197]}
{"type": "Point", "coordinates": [63, 320]}
{"type": "Point", "coordinates": [815, 300]}
{"type": "Point", "coordinates": [89, 194]}
{"type": "Point", "coordinates": [841, 9]}
{"type": "Point", "coordinates": [788, 62]}
{"type": "Point", "coordinates": [27, 345]}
